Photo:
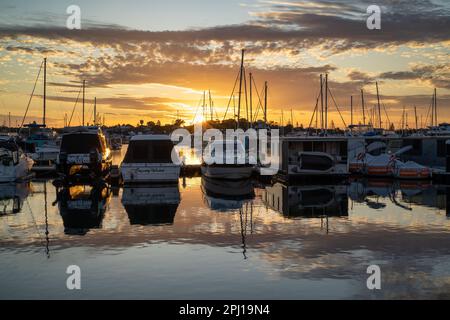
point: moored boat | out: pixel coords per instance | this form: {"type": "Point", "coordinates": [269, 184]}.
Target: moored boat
{"type": "Point", "coordinates": [149, 159]}
{"type": "Point", "coordinates": [15, 165]}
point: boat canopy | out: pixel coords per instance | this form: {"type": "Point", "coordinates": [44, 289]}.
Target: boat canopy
{"type": "Point", "coordinates": [81, 143]}
{"type": "Point", "coordinates": [149, 150]}
{"type": "Point", "coordinates": [9, 145]}
{"type": "Point", "coordinates": [151, 137]}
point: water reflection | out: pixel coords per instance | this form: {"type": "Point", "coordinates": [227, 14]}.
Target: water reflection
{"type": "Point", "coordinates": [227, 195]}
{"type": "Point", "coordinates": [271, 243]}
{"type": "Point", "coordinates": [307, 200]}
{"type": "Point", "coordinates": [151, 205]}
{"type": "Point", "coordinates": [82, 207]}
{"type": "Point", "coordinates": [12, 197]}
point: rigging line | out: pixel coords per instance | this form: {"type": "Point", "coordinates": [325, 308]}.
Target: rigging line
{"type": "Point", "coordinates": [245, 91]}
{"type": "Point", "coordinates": [337, 108]}
{"type": "Point", "coordinates": [196, 111]}
{"type": "Point", "coordinates": [260, 105]}
{"type": "Point", "coordinates": [428, 112]}
{"type": "Point", "coordinates": [231, 95]}
{"type": "Point", "coordinates": [73, 110]}
{"type": "Point", "coordinates": [31, 96]}
{"type": "Point", "coordinates": [314, 113]}
{"type": "Point", "coordinates": [387, 115]}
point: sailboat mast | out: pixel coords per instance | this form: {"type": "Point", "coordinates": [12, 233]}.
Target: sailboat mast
{"type": "Point", "coordinates": [379, 108]}
{"type": "Point", "coordinates": [84, 88]}
{"type": "Point", "coordinates": [251, 102]}
{"type": "Point", "coordinates": [321, 103]}
{"type": "Point", "coordinates": [265, 103]}
{"type": "Point", "coordinates": [95, 111]}
{"type": "Point", "coordinates": [363, 107]}
{"type": "Point", "coordinates": [415, 116]}
{"type": "Point", "coordinates": [326, 103]}
{"type": "Point", "coordinates": [351, 110]}
{"type": "Point", "coordinates": [45, 92]}
{"type": "Point", "coordinates": [241, 76]}
{"type": "Point", "coordinates": [435, 107]}
{"type": "Point", "coordinates": [211, 106]}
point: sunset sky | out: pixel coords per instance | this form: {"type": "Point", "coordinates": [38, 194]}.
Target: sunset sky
{"type": "Point", "coordinates": [151, 59]}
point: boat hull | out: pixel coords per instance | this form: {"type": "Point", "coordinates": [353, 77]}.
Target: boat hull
{"type": "Point", "coordinates": [149, 173]}
{"type": "Point", "coordinates": [226, 172]}
{"type": "Point", "coordinates": [17, 172]}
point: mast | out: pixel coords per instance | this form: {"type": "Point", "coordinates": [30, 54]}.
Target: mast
{"type": "Point", "coordinates": [211, 105]}
{"type": "Point", "coordinates": [251, 102]}
{"type": "Point", "coordinates": [45, 91]}
{"type": "Point", "coordinates": [265, 103]}
{"type": "Point", "coordinates": [363, 107]}
{"type": "Point", "coordinates": [95, 111]}
{"type": "Point", "coordinates": [351, 110]}
{"type": "Point", "coordinates": [321, 103]}
{"type": "Point", "coordinates": [326, 104]}
{"type": "Point", "coordinates": [241, 75]}
{"type": "Point", "coordinates": [292, 119]}
{"type": "Point", "coordinates": [435, 107]}
{"type": "Point", "coordinates": [379, 108]}
{"type": "Point", "coordinates": [84, 88]}
{"type": "Point", "coordinates": [415, 116]}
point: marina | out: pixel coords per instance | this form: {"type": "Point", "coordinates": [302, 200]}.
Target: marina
{"type": "Point", "coordinates": [247, 151]}
{"type": "Point", "coordinates": [234, 238]}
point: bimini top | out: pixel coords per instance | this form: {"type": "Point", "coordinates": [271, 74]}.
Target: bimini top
{"type": "Point", "coordinates": [83, 129]}
{"type": "Point", "coordinates": [150, 137]}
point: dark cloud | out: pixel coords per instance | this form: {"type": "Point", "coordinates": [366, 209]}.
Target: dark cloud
{"type": "Point", "coordinates": [145, 103]}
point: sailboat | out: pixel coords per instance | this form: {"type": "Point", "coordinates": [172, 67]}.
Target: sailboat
{"type": "Point", "coordinates": [41, 144]}
{"type": "Point", "coordinates": [236, 164]}
{"type": "Point", "coordinates": [15, 165]}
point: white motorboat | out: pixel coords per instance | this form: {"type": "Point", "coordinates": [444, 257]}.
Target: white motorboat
{"type": "Point", "coordinates": [234, 165]}
{"type": "Point", "coordinates": [14, 164]}
{"type": "Point", "coordinates": [149, 159]}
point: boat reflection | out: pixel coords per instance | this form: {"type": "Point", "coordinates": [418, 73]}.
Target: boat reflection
{"type": "Point", "coordinates": [151, 205]}
{"type": "Point", "coordinates": [307, 200]}
{"type": "Point", "coordinates": [227, 195]}
{"type": "Point", "coordinates": [401, 193]}
{"type": "Point", "coordinates": [12, 197]}
{"type": "Point", "coordinates": [82, 207]}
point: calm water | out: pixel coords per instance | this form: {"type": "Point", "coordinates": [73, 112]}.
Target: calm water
{"type": "Point", "coordinates": [206, 239]}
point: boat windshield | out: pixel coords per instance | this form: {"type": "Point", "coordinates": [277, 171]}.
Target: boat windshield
{"type": "Point", "coordinates": [81, 143]}
{"type": "Point", "coordinates": [148, 151]}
